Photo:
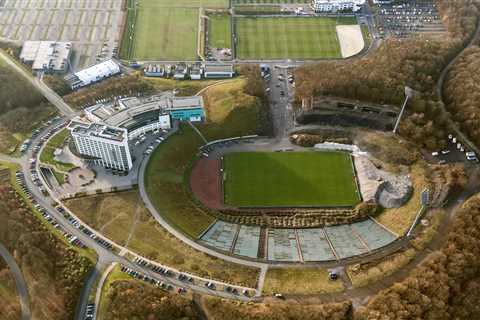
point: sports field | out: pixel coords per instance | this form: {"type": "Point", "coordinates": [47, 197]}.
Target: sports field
{"type": "Point", "coordinates": [163, 29]}
{"type": "Point", "coordinates": [165, 33]}
{"type": "Point", "coordinates": [289, 179]}
{"type": "Point", "coordinates": [219, 31]}
{"type": "Point", "coordinates": [289, 37]}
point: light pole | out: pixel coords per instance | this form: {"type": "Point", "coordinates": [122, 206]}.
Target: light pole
{"type": "Point", "coordinates": [408, 95]}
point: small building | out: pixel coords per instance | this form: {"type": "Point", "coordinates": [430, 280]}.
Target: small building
{"type": "Point", "coordinates": [337, 5]}
{"type": "Point", "coordinates": [101, 144]}
{"type": "Point", "coordinates": [93, 74]}
{"type": "Point", "coordinates": [196, 71]}
{"type": "Point", "coordinates": [181, 71]}
{"type": "Point", "coordinates": [47, 56]}
{"type": "Point", "coordinates": [217, 70]}
{"type": "Point", "coordinates": [186, 108]}
{"type": "Point", "coordinates": [154, 70]}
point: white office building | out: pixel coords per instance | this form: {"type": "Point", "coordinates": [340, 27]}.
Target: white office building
{"type": "Point", "coordinates": [337, 5]}
{"type": "Point", "coordinates": [103, 145]}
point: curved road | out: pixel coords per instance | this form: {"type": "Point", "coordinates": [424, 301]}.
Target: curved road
{"type": "Point", "coordinates": [441, 82]}
{"type": "Point", "coordinates": [20, 283]}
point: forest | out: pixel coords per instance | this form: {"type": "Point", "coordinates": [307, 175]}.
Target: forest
{"type": "Point", "coordinates": [462, 93]}
{"type": "Point", "coordinates": [22, 108]}
{"type": "Point", "coordinates": [382, 76]}
{"type": "Point", "coordinates": [54, 272]}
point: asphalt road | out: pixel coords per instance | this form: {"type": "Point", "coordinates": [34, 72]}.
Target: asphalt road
{"type": "Point", "coordinates": [440, 85]}
{"type": "Point", "coordinates": [48, 93]}
{"type": "Point", "coordinates": [20, 284]}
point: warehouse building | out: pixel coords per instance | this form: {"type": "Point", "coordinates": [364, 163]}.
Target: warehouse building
{"type": "Point", "coordinates": [93, 74]}
{"type": "Point", "coordinates": [216, 70]}
{"type": "Point", "coordinates": [47, 56]}
{"type": "Point", "coordinates": [103, 145]}
{"type": "Point", "coordinates": [337, 5]}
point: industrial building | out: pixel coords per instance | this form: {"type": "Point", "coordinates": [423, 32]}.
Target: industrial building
{"type": "Point", "coordinates": [337, 5]}
{"type": "Point", "coordinates": [47, 56]}
{"type": "Point", "coordinates": [101, 144]}
{"type": "Point", "coordinates": [93, 74]}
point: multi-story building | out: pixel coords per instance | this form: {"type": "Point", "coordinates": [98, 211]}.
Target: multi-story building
{"type": "Point", "coordinates": [103, 145]}
{"type": "Point", "coordinates": [337, 5]}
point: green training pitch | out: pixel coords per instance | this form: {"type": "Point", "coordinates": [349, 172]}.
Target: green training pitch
{"type": "Point", "coordinates": [289, 179]}
{"type": "Point", "coordinates": [219, 31]}
{"type": "Point", "coordinates": [164, 33]}
{"type": "Point", "coordinates": [289, 37]}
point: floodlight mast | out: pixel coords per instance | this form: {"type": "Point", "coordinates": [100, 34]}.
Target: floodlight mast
{"type": "Point", "coordinates": [408, 95]}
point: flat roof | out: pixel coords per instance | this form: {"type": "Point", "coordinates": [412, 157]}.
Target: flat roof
{"type": "Point", "coordinates": [50, 55]}
{"type": "Point", "coordinates": [99, 131]}
{"type": "Point", "coordinates": [186, 102]}
{"type": "Point", "coordinates": [216, 67]}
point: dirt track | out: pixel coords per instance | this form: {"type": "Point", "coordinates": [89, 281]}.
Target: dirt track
{"type": "Point", "coordinates": [205, 182]}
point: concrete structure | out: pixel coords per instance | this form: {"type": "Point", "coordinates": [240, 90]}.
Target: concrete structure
{"type": "Point", "coordinates": [47, 56]}
{"type": "Point", "coordinates": [216, 70]}
{"type": "Point", "coordinates": [93, 74]}
{"type": "Point", "coordinates": [337, 5]}
{"type": "Point", "coordinates": [104, 145]}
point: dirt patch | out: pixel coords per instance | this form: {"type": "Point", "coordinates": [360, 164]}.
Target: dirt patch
{"type": "Point", "coordinates": [351, 39]}
{"type": "Point", "coordinates": [206, 184]}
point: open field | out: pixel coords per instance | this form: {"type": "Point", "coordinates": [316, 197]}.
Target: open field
{"type": "Point", "coordinates": [289, 37]}
{"type": "Point", "coordinates": [219, 31]}
{"type": "Point", "coordinates": [269, 1]}
{"type": "Point", "coordinates": [260, 179]}
{"type": "Point", "coordinates": [123, 218]}
{"type": "Point", "coordinates": [164, 33]}
{"type": "Point", "coordinates": [184, 3]}
{"type": "Point", "coordinates": [300, 281]}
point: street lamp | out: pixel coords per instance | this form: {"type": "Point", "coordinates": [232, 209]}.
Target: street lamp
{"type": "Point", "coordinates": [408, 95]}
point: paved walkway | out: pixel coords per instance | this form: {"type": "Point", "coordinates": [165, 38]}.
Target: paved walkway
{"type": "Point", "coordinates": [20, 283]}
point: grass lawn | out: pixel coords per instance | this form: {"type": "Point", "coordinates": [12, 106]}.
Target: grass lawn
{"type": "Point", "coordinates": [219, 31]}
{"type": "Point", "coordinates": [256, 179]}
{"type": "Point", "coordinates": [184, 87]}
{"type": "Point", "coordinates": [300, 281]}
{"type": "Point", "coordinates": [269, 1]}
{"type": "Point", "coordinates": [289, 37]}
{"type": "Point", "coordinates": [47, 156]}
{"type": "Point", "coordinates": [164, 33]}
{"type": "Point", "coordinates": [122, 216]}
{"type": "Point", "coordinates": [185, 3]}
{"type": "Point", "coordinates": [166, 171]}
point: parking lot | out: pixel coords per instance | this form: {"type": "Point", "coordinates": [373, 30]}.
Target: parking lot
{"type": "Point", "coordinates": [94, 26]}
{"type": "Point", "coordinates": [400, 21]}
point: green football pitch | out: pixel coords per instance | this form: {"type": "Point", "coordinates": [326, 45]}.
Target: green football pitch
{"type": "Point", "coordinates": [289, 37]}
{"type": "Point", "coordinates": [219, 31]}
{"type": "Point", "coordinates": [289, 179]}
